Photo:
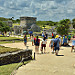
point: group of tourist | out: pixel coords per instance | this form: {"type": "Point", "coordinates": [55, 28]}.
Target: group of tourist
{"type": "Point", "coordinates": [55, 42]}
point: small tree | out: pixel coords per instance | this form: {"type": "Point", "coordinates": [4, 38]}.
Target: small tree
{"type": "Point", "coordinates": [73, 23]}
{"type": "Point", "coordinates": [62, 30]}
{"type": "Point", "coordinates": [4, 27]}
{"type": "Point", "coordinates": [63, 26]}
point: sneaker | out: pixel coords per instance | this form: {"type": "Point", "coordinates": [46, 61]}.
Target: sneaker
{"type": "Point", "coordinates": [41, 52]}
{"type": "Point", "coordinates": [56, 52]}
{"type": "Point", "coordinates": [52, 52]}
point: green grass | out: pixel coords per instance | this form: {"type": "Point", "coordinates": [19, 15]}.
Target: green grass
{"type": "Point", "coordinates": [3, 42]}
{"type": "Point", "coordinates": [8, 69]}
{"type": "Point", "coordinates": [7, 49]}
{"type": "Point", "coordinates": [47, 27]}
{"type": "Point", "coordinates": [9, 38]}
{"type": "Point", "coordinates": [14, 24]}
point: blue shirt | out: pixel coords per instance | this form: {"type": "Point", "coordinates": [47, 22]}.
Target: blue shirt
{"type": "Point", "coordinates": [52, 40]}
{"type": "Point", "coordinates": [64, 39]}
{"type": "Point", "coordinates": [57, 42]}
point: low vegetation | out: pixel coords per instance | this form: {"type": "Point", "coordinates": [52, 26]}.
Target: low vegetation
{"type": "Point", "coordinates": [9, 38]}
{"type": "Point", "coordinates": [7, 49]}
{"type": "Point", "coordinates": [8, 69]}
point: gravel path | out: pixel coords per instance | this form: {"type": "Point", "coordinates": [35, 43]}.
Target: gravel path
{"type": "Point", "coordinates": [47, 64]}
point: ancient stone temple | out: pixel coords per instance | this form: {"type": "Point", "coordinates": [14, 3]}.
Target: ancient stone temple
{"type": "Point", "coordinates": [27, 21]}
{"type": "Point", "coordinates": [26, 24]}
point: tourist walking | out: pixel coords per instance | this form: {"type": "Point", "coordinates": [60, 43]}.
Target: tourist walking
{"type": "Point", "coordinates": [43, 34]}
{"type": "Point", "coordinates": [25, 40]}
{"type": "Point", "coordinates": [73, 43]}
{"type": "Point", "coordinates": [52, 34]}
{"type": "Point", "coordinates": [32, 40]}
{"type": "Point", "coordinates": [43, 45]}
{"type": "Point", "coordinates": [69, 38]}
{"type": "Point", "coordinates": [46, 35]}
{"type": "Point", "coordinates": [51, 44]}
{"type": "Point", "coordinates": [37, 43]}
{"type": "Point", "coordinates": [65, 40]}
{"type": "Point", "coordinates": [56, 44]}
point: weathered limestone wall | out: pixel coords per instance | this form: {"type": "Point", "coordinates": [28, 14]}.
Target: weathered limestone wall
{"type": "Point", "coordinates": [27, 21]}
{"type": "Point", "coordinates": [15, 57]}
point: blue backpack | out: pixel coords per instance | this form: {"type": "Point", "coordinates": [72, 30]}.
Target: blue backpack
{"type": "Point", "coordinates": [36, 42]}
{"type": "Point", "coordinates": [55, 42]}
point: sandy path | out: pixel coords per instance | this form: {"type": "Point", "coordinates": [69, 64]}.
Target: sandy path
{"type": "Point", "coordinates": [48, 64]}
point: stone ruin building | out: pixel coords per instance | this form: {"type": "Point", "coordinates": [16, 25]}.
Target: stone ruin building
{"type": "Point", "coordinates": [26, 23]}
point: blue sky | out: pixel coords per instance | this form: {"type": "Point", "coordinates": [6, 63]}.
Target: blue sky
{"type": "Point", "coordinates": [44, 10]}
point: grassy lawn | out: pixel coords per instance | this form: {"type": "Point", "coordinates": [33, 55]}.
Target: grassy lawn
{"type": "Point", "coordinates": [9, 38]}
{"type": "Point", "coordinates": [7, 49]}
{"type": "Point", "coordinates": [8, 69]}
{"type": "Point", "coordinates": [15, 24]}
{"type": "Point", "coordinates": [3, 42]}
{"type": "Point", "coordinates": [47, 27]}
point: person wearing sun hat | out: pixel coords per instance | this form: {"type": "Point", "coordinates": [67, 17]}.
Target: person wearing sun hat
{"type": "Point", "coordinates": [56, 44]}
{"type": "Point", "coordinates": [57, 36]}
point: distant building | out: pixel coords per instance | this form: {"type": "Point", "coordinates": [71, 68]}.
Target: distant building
{"type": "Point", "coordinates": [9, 23]}
{"type": "Point", "coordinates": [27, 21]}
{"type": "Point", "coordinates": [26, 24]}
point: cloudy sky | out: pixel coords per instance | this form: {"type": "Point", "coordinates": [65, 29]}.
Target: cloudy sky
{"type": "Point", "coordinates": [54, 10]}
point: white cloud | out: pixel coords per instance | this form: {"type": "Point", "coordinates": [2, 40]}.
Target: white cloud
{"type": "Point", "coordinates": [42, 9]}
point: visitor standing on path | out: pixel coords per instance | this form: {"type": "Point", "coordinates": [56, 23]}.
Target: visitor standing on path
{"type": "Point", "coordinates": [51, 44]}
{"type": "Point", "coordinates": [25, 40]}
{"type": "Point", "coordinates": [32, 39]}
{"type": "Point", "coordinates": [43, 34]}
{"type": "Point", "coordinates": [37, 43]}
{"type": "Point", "coordinates": [56, 44]}
{"type": "Point", "coordinates": [65, 40]}
{"type": "Point", "coordinates": [43, 45]}
{"type": "Point", "coordinates": [69, 38]}
{"type": "Point", "coordinates": [46, 35]}
{"type": "Point", "coordinates": [73, 43]}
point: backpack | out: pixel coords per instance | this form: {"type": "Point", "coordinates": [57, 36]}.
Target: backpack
{"type": "Point", "coordinates": [36, 41]}
{"type": "Point", "coordinates": [55, 42]}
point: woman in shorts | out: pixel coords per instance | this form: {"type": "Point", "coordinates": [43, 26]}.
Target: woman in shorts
{"type": "Point", "coordinates": [73, 43]}
{"type": "Point", "coordinates": [43, 44]}
{"type": "Point", "coordinates": [32, 39]}
{"type": "Point", "coordinates": [37, 43]}
{"type": "Point", "coordinates": [25, 40]}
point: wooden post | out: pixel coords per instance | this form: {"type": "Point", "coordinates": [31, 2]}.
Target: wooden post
{"type": "Point", "coordinates": [34, 55]}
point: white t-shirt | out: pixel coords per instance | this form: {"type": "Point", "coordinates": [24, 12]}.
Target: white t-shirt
{"type": "Point", "coordinates": [44, 41]}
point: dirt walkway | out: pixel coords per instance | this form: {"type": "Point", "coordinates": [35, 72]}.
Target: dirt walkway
{"type": "Point", "coordinates": [48, 64]}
